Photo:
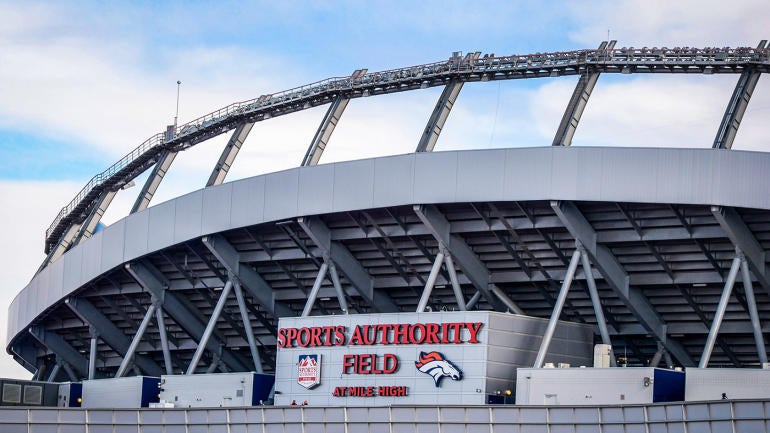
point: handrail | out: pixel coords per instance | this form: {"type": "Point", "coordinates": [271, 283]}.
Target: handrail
{"type": "Point", "coordinates": [522, 66]}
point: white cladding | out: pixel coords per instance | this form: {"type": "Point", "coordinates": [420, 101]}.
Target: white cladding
{"type": "Point", "coordinates": [735, 383]}
{"type": "Point", "coordinates": [208, 390]}
{"type": "Point", "coordinates": [505, 342]}
{"type": "Point", "coordinates": [124, 392]}
{"type": "Point", "coordinates": [589, 386]}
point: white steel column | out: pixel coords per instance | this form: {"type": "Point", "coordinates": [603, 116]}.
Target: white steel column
{"type": "Point", "coordinates": [135, 342]}
{"type": "Point", "coordinates": [548, 335]}
{"type": "Point", "coordinates": [92, 353]}
{"type": "Point", "coordinates": [753, 313]}
{"type": "Point", "coordinates": [426, 291]}
{"type": "Point", "coordinates": [473, 301]}
{"type": "Point", "coordinates": [506, 300]}
{"type": "Point", "coordinates": [247, 326]}
{"type": "Point", "coordinates": [450, 267]}
{"type": "Point", "coordinates": [720, 313]}
{"type": "Point", "coordinates": [314, 292]}
{"type": "Point", "coordinates": [596, 301]}
{"type": "Point", "coordinates": [338, 287]}
{"type": "Point", "coordinates": [164, 340]}
{"type": "Point", "coordinates": [210, 327]}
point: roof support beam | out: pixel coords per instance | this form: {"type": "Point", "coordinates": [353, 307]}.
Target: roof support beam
{"type": "Point", "coordinates": [441, 112]}
{"type": "Point", "coordinates": [210, 327]}
{"type": "Point", "coordinates": [247, 326]}
{"type": "Point", "coordinates": [736, 108]}
{"type": "Point", "coordinates": [61, 348]}
{"type": "Point", "coordinates": [720, 313]}
{"type": "Point", "coordinates": [472, 267]}
{"type": "Point", "coordinates": [751, 302]}
{"type": "Point", "coordinates": [577, 103]}
{"type": "Point", "coordinates": [617, 278]}
{"type": "Point", "coordinates": [89, 225]}
{"type": "Point", "coordinates": [229, 153]}
{"type": "Point", "coordinates": [136, 340]}
{"type": "Point", "coordinates": [742, 237]}
{"type": "Point", "coordinates": [324, 132]}
{"type": "Point", "coordinates": [152, 280]}
{"type": "Point", "coordinates": [153, 182]}
{"type": "Point", "coordinates": [254, 284]}
{"type": "Point", "coordinates": [344, 260]}
{"type": "Point", "coordinates": [110, 333]}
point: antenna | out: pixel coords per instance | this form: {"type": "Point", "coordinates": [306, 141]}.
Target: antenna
{"type": "Point", "coordinates": [178, 85]}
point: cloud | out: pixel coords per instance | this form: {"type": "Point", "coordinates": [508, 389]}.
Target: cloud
{"type": "Point", "coordinates": [25, 213]}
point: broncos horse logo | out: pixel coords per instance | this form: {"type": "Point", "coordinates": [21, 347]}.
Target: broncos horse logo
{"type": "Point", "coordinates": [438, 367]}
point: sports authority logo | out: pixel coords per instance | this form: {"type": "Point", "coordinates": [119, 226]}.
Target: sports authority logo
{"type": "Point", "coordinates": [309, 371]}
{"type": "Point", "coordinates": [437, 366]}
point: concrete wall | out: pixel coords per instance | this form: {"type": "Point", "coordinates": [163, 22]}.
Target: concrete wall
{"type": "Point", "coordinates": [706, 417]}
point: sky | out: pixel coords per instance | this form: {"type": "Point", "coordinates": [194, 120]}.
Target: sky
{"type": "Point", "coordinates": [83, 83]}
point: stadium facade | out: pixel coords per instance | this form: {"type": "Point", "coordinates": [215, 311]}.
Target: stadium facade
{"type": "Point", "coordinates": [658, 251]}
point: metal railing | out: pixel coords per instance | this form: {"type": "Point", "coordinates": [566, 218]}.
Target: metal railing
{"type": "Point", "coordinates": [625, 60]}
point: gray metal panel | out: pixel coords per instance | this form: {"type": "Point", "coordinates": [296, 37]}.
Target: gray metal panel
{"type": "Point", "coordinates": [161, 230]}
{"type": "Point", "coordinates": [137, 224]}
{"type": "Point", "coordinates": [216, 208]}
{"type": "Point", "coordinates": [393, 179]}
{"type": "Point", "coordinates": [188, 216]}
{"type": "Point", "coordinates": [678, 169]}
{"type": "Point", "coordinates": [632, 181]}
{"type": "Point", "coordinates": [92, 255]}
{"type": "Point", "coordinates": [113, 240]}
{"type": "Point", "coordinates": [353, 185]}
{"type": "Point", "coordinates": [73, 267]}
{"type": "Point", "coordinates": [470, 179]}
{"type": "Point", "coordinates": [528, 174]}
{"type": "Point", "coordinates": [435, 177]}
{"type": "Point", "coordinates": [281, 194]}
{"type": "Point", "coordinates": [248, 201]}
{"type": "Point", "coordinates": [316, 189]}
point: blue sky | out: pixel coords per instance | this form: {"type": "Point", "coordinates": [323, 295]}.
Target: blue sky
{"type": "Point", "coordinates": [82, 83]}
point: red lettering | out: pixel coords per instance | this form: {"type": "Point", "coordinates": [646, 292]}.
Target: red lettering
{"type": "Point", "coordinates": [291, 335]}
{"type": "Point", "coordinates": [456, 327]}
{"type": "Point", "coordinates": [303, 337]}
{"type": "Point", "coordinates": [348, 362]}
{"type": "Point", "coordinates": [364, 364]}
{"type": "Point", "coordinates": [356, 340]}
{"type": "Point", "coordinates": [390, 364]}
{"type": "Point", "coordinates": [383, 329]}
{"type": "Point", "coordinates": [474, 330]}
{"type": "Point", "coordinates": [400, 334]}
{"type": "Point", "coordinates": [328, 333]}
{"type": "Point", "coordinates": [282, 337]}
{"type": "Point", "coordinates": [431, 329]}
{"type": "Point", "coordinates": [413, 339]}
{"type": "Point", "coordinates": [315, 336]}
{"type": "Point", "coordinates": [339, 335]}
{"type": "Point", "coordinates": [444, 333]}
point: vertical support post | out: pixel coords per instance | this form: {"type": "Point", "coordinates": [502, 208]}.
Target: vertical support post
{"type": "Point", "coordinates": [506, 300]}
{"type": "Point", "coordinates": [227, 158]}
{"type": "Point", "coordinates": [210, 327]}
{"type": "Point", "coordinates": [753, 313]}
{"type": "Point", "coordinates": [247, 327]}
{"type": "Point", "coordinates": [657, 357]}
{"type": "Point", "coordinates": [426, 291]}
{"type": "Point", "coordinates": [473, 301]}
{"type": "Point", "coordinates": [720, 313]}
{"type": "Point", "coordinates": [92, 353]}
{"type": "Point", "coordinates": [597, 304]}
{"type": "Point", "coordinates": [314, 291]}
{"type": "Point", "coordinates": [54, 372]}
{"type": "Point", "coordinates": [153, 182]}
{"type": "Point", "coordinates": [553, 321]}
{"type": "Point", "coordinates": [450, 266]}
{"type": "Point", "coordinates": [164, 340]}
{"type": "Point", "coordinates": [135, 342]}
{"type": "Point", "coordinates": [70, 372]}
{"type": "Point", "coordinates": [338, 287]}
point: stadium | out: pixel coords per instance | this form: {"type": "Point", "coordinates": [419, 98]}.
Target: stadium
{"type": "Point", "coordinates": [659, 253]}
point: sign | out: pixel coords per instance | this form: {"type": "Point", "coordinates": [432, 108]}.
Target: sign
{"type": "Point", "coordinates": [390, 333]}
{"type": "Point", "coordinates": [437, 366]}
{"type": "Point", "coordinates": [309, 371]}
